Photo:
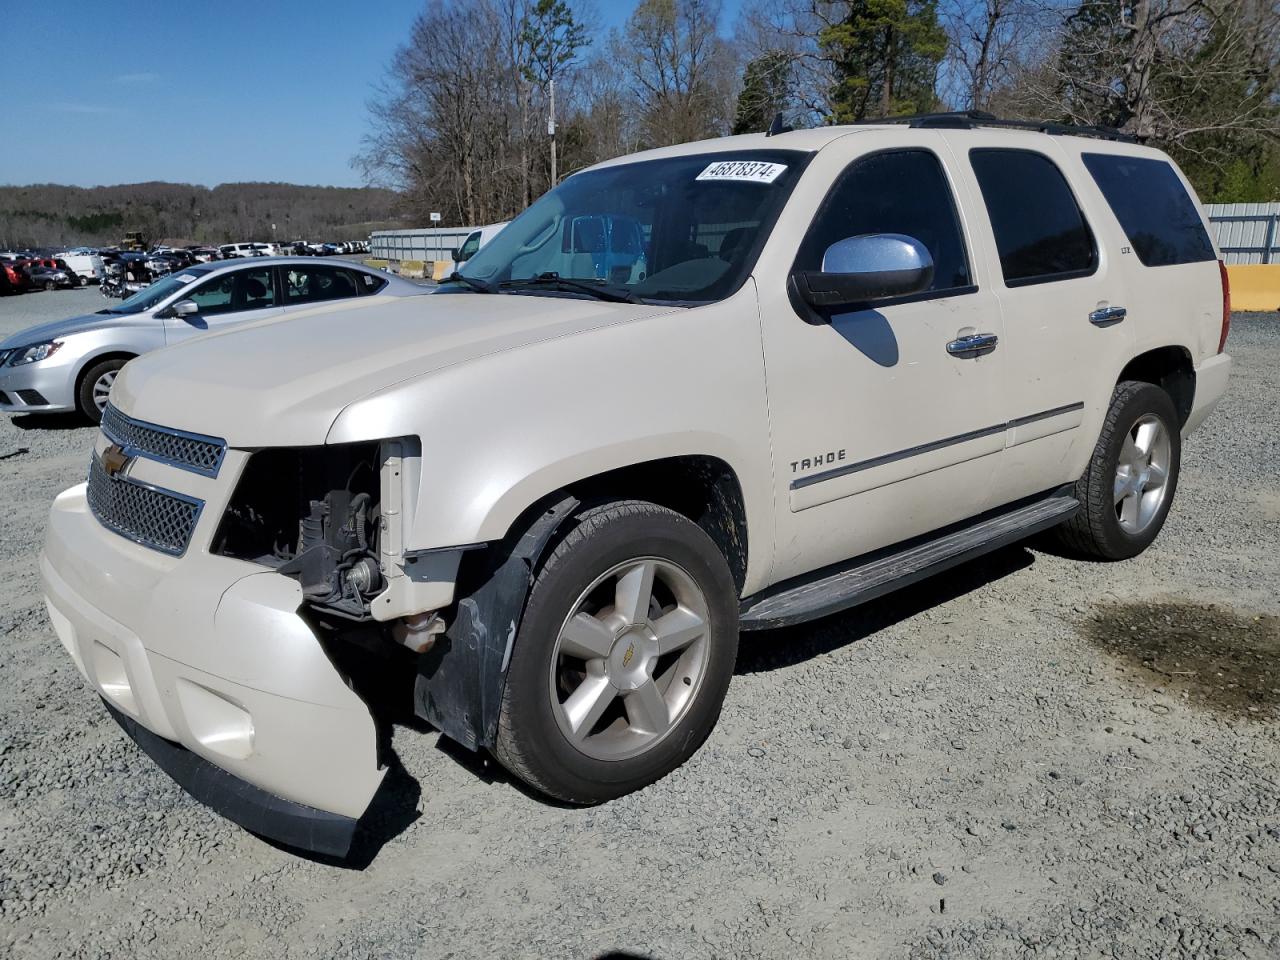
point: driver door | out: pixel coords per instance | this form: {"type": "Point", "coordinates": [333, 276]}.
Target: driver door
{"type": "Point", "coordinates": [884, 428]}
{"type": "Point", "coordinates": [227, 298]}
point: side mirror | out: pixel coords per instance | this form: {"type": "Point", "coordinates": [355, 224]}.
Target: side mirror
{"type": "Point", "coordinates": [863, 270]}
{"type": "Point", "coordinates": [185, 308]}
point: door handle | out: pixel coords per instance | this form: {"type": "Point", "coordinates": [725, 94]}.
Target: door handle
{"type": "Point", "coordinates": [1106, 316]}
{"type": "Point", "coordinates": [974, 345]}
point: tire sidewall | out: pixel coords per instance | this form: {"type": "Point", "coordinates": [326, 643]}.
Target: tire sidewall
{"type": "Point", "coordinates": [1148, 399]}
{"type": "Point", "coordinates": [84, 396]}
{"type": "Point", "coordinates": [661, 534]}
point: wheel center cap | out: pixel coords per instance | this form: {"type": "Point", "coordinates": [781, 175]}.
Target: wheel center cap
{"type": "Point", "coordinates": [630, 662]}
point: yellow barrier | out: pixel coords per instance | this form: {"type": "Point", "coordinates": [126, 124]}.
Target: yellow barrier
{"type": "Point", "coordinates": [440, 269]}
{"type": "Point", "coordinates": [412, 269]}
{"type": "Point", "coordinates": [1255, 286]}
{"type": "Point", "coordinates": [377, 264]}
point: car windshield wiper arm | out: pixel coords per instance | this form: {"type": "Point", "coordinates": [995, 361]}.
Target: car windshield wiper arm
{"type": "Point", "coordinates": [593, 288]}
{"type": "Point", "coordinates": [479, 286]}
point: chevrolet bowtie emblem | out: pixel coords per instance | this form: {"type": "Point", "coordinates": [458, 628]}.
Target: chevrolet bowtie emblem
{"type": "Point", "coordinates": [115, 460]}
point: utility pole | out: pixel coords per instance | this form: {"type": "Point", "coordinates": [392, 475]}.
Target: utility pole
{"type": "Point", "coordinates": [551, 127]}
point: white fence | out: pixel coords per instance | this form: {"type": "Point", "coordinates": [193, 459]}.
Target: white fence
{"type": "Point", "coordinates": [436, 243]}
{"type": "Point", "coordinates": [1246, 232]}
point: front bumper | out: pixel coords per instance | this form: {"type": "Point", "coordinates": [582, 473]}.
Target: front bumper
{"type": "Point", "coordinates": [47, 386]}
{"type": "Point", "coordinates": [209, 655]}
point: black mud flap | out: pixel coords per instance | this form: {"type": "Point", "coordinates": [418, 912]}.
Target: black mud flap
{"type": "Point", "coordinates": [461, 679]}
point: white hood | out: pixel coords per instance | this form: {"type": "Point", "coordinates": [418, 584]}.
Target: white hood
{"type": "Point", "coordinates": [283, 381]}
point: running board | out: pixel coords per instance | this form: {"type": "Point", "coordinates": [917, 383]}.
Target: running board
{"type": "Point", "coordinates": [865, 578]}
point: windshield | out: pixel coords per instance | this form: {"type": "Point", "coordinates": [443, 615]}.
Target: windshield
{"type": "Point", "coordinates": [684, 229]}
{"type": "Point", "coordinates": [155, 294]}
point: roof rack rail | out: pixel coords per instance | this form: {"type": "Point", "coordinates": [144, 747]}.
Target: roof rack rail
{"type": "Point", "coordinates": [968, 119]}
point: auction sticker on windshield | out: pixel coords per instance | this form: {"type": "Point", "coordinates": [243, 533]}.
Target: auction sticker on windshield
{"type": "Point", "coordinates": [749, 171]}
{"type": "Point", "coordinates": [186, 278]}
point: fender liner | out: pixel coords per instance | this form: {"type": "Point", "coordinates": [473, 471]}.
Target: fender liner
{"type": "Point", "coordinates": [461, 678]}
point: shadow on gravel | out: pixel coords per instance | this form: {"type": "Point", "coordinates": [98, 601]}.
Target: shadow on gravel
{"type": "Point", "coordinates": [1219, 659]}
{"type": "Point", "coordinates": [774, 649]}
{"type": "Point", "coordinates": [51, 421]}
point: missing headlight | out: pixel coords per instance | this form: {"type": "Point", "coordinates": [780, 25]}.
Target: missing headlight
{"type": "Point", "coordinates": [312, 514]}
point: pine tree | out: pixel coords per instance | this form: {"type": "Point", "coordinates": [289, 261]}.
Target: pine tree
{"type": "Point", "coordinates": [885, 55]}
{"type": "Point", "coordinates": [764, 92]}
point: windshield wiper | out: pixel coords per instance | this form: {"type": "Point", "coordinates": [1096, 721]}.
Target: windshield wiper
{"type": "Point", "coordinates": [479, 286]}
{"type": "Point", "coordinates": [597, 289]}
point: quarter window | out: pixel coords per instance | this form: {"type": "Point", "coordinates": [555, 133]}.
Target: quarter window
{"type": "Point", "coordinates": [1041, 233]}
{"type": "Point", "coordinates": [235, 291]}
{"type": "Point", "coordinates": [901, 191]}
{"type": "Point", "coordinates": [1153, 207]}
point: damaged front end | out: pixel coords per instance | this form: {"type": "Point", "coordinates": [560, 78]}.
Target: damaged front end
{"type": "Point", "coordinates": [334, 518]}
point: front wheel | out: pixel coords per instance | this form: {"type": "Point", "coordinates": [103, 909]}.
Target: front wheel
{"type": "Point", "coordinates": [50, 285]}
{"type": "Point", "coordinates": [1127, 489]}
{"type": "Point", "coordinates": [623, 657]}
{"type": "Point", "coordinates": [95, 388]}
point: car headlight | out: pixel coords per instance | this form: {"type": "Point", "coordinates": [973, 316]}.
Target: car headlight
{"type": "Point", "coordinates": [34, 353]}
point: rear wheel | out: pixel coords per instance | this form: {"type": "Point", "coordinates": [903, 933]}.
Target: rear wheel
{"type": "Point", "coordinates": [623, 657]}
{"type": "Point", "coordinates": [95, 387]}
{"type": "Point", "coordinates": [1128, 487]}
{"type": "Point", "coordinates": [50, 285]}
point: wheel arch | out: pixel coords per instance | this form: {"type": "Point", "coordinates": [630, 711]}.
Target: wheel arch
{"type": "Point", "coordinates": [1170, 368]}
{"type": "Point", "coordinates": [89, 362]}
{"type": "Point", "coordinates": [701, 487]}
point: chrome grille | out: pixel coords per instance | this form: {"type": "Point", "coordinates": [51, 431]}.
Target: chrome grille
{"type": "Point", "coordinates": [159, 519]}
{"type": "Point", "coordinates": [187, 451]}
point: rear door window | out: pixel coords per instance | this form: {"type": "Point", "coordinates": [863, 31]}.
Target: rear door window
{"type": "Point", "coordinates": [1040, 231]}
{"type": "Point", "coordinates": [316, 284]}
{"type": "Point", "coordinates": [899, 191]}
{"type": "Point", "coordinates": [1153, 207]}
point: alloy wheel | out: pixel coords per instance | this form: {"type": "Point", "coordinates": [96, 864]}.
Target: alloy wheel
{"type": "Point", "coordinates": [630, 658]}
{"type": "Point", "coordinates": [1142, 474]}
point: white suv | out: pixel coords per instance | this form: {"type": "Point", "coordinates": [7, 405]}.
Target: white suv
{"type": "Point", "coordinates": [722, 386]}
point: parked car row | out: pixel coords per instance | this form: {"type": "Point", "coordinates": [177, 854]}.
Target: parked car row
{"type": "Point", "coordinates": [22, 272]}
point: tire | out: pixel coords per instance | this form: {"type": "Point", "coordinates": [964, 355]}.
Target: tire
{"type": "Point", "coordinates": [82, 281]}
{"type": "Point", "coordinates": [1120, 512]}
{"type": "Point", "coordinates": [50, 285]}
{"type": "Point", "coordinates": [609, 545]}
{"type": "Point", "coordinates": [91, 380]}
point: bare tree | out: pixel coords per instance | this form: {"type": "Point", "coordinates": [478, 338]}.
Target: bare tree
{"type": "Point", "coordinates": [681, 70]}
{"type": "Point", "coordinates": [989, 40]}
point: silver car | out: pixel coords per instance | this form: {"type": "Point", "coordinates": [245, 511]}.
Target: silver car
{"type": "Point", "coordinates": [70, 365]}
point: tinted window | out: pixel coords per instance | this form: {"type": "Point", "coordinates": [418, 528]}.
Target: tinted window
{"type": "Point", "coordinates": [235, 291]}
{"type": "Point", "coordinates": [1153, 207]}
{"type": "Point", "coordinates": [898, 192]}
{"type": "Point", "coordinates": [1040, 232]}
{"type": "Point", "coordinates": [369, 282]}
{"type": "Point", "coordinates": [314, 284]}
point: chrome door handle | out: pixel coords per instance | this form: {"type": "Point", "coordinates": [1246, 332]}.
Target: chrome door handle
{"type": "Point", "coordinates": [1105, 316]}
{"type": "Point", "coordinates": [974, 345]}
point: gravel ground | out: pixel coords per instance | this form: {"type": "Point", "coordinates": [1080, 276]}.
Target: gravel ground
{"type": "Point", "coordinates": [1031, 756]}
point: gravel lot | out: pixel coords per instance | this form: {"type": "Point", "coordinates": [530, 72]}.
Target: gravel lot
{"type": "Point", "coordinates": [1031, 756]}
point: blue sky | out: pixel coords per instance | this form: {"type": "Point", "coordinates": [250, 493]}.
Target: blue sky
{"type": "Point", "coordinates": [269, 90]}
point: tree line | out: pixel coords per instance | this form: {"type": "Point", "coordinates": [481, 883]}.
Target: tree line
{"type": "Point", "coordinates": [459, 125]}
{"type": "Point", "coordinates": [180, 213]}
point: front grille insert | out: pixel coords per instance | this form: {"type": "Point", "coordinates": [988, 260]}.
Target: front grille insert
{"type": "Point", "coordinates": [186, 451]}
{"type": "Point", "coordinates": [160, 519]}
{"type": "Point", "coordinates": [32, 398]}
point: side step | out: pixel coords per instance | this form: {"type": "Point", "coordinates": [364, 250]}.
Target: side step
{"type": "Point", "coordinates": [837, 588]}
